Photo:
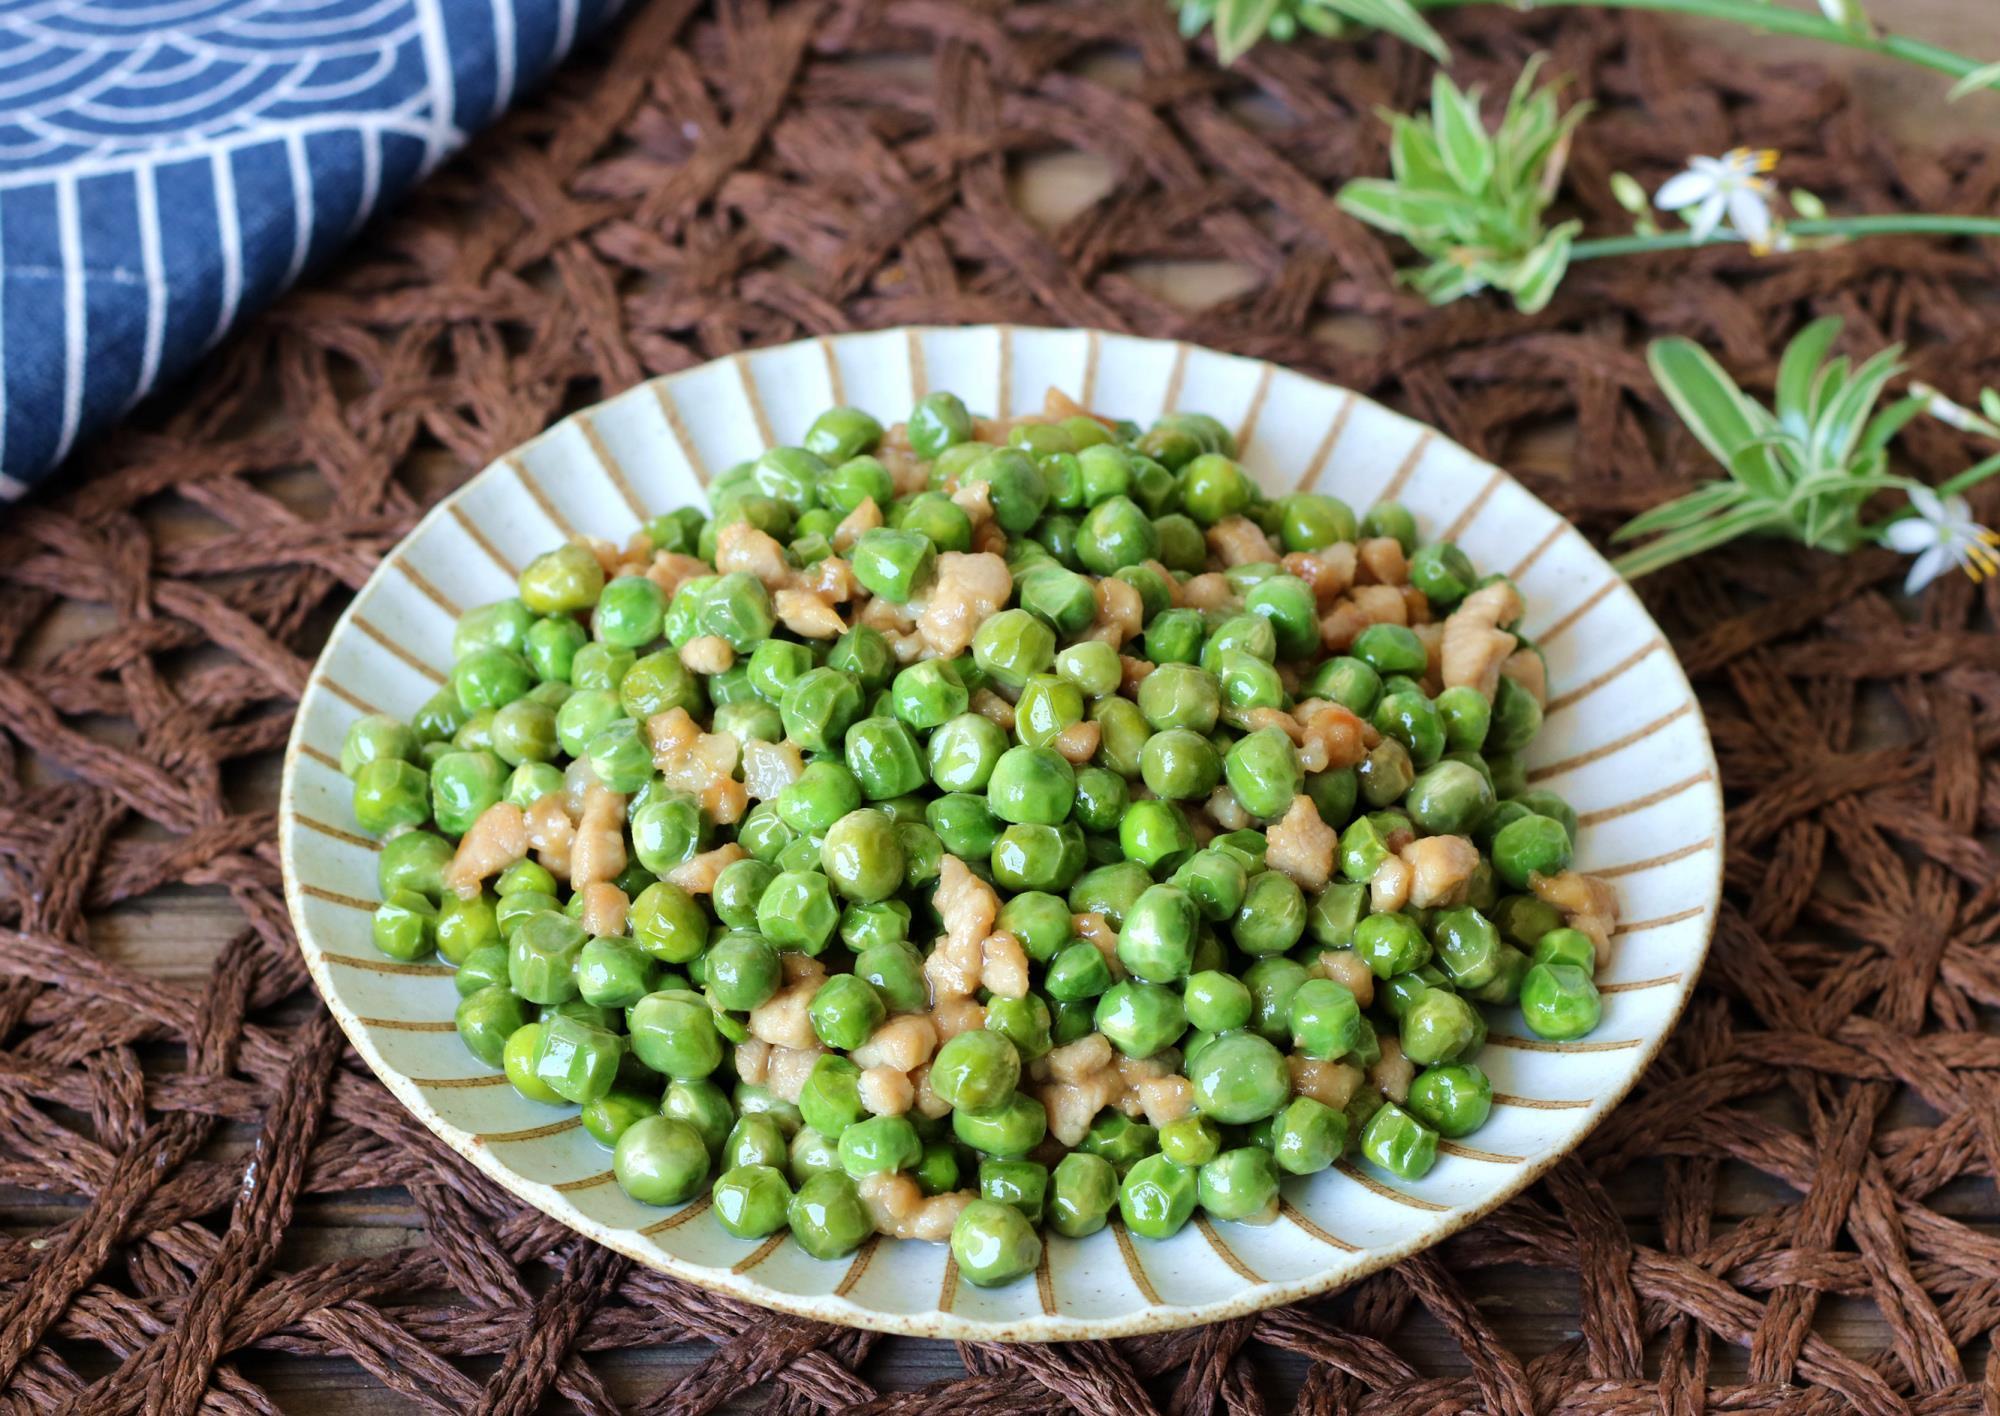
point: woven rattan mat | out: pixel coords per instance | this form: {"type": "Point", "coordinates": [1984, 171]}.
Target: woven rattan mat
{"type": "Point", "coordinates": [1795, 1212]}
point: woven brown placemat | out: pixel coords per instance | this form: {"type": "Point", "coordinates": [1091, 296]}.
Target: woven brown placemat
{"type": "Point", "coordinates": [714, 179]}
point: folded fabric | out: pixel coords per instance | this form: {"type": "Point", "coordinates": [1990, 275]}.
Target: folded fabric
{"type": "Point", "coordinates": [168, 166]}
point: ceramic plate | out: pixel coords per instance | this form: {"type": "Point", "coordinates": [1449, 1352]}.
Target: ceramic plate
{"type": "Point", "coordinates": [1624, 741]}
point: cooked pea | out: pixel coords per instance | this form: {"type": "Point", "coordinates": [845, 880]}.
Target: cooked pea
{"type": "Point", "coordinates": [976, 1071]}
{"type": "Point", "coordinates": [845, 1010]}
{"type": "Point", "coordinates": [863, 653]}
{"type": "Point", "coordinates": [1399, 1143]}
{"type": "Point", "coordinates": [994, 1243]}
{"type": "Point", "coordinates": [1155, 834]}
{"type": "Point", "coordinates": [1011, 1129]}
{"type": "Point", "coordinates": [1391, 519]}
{"type": "Point", "coordinates": [1517, 717]}
{"type": "Point", "coordinates": [1012, 646]}
{"type": "Point", "coordinates": [1272, 917]}
{"type": "Point", "coordinates": [1567, 946]}
{"type": "Point", "coordinates": [1529, 846]}
{"type": "Point", "coordinates": [1307, 1136]}
{"type": "Point", "coordinates": [1157, 1197]}
{"type": "Point", "coordinates": [1047, 708]}
{"type": "Point", "coordinates": [1179, 765]}
{"type": "Point", "coordinates": [1240, 1184]}
{"type": "Point", "coordinates": [963, 752]}
{"type": "Point", "coordinates": [1560, 1002]}
{"type": "Point", "coordinates": [1454, 1101]}
{"type": "Point", "coordinates": [1239, 1078]}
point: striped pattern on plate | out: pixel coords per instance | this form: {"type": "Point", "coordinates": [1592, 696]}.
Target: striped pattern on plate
{"type": "Point", "coordinates": [1624, 741]}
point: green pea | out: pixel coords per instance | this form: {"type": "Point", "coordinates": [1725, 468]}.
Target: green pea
{"type": "Point", "coordinates": [1078, 972]}
{"type": "Point", "coordinates": [1311, 521]}
{"type": "Point", "coordinates": [878, 1145]}
{"type": "Point", "coordinates": [541, 957]}
{"type": "Point", "coordinates": [1272, 981]}
{"type": "Point", "coordinates": [1182, 546]}
{"type": "Point", "coordinates": [1399, 1143]}
{"type": "Point", "coordinates": [1449, 798]}
{"type": "Point", "coordinates": [938, 421]}
{"type": "Point", "coordinates": [1391, 944]}
{"type": "Point", "coordinates": [610, 1116]}
{"type": "Point", "coordinates": [1213, 487]}
{"type": "Point", "coordinates": [1443, 572]}
{"type": "Point", "coordinates": [1155, 835]}
{"type": "Point", "coordinates": [1560, 1002]}
{"type": "Point", "coordinates": [751, 1201]}
{"type": "Point", "coordinates": [676, 530]}
{"type": "Point", "coordinates": [1110, 889]}
{"type": "Point", "coordinates": [1248, 682]}
{"type": "Point", "coordinates": [939, 520]}
{"type": "Point", "coordinates": [574, 1060]}
{"type": "Point", "coordinates": [660, 1161]}
{"type": "Point", "coordinates": [1025, 1022]}
{"type": "Point", "coordinates": [1013, 1128]}
{"type": "Point", "coordinates": [928, 695]}
{"type": "Point", "coordinates": [1139, 1018]}
{"type": "Point", "coordinates": [1567, 946]}
{"type": "Point", "coordinates": [703, 1105]}
{"type": "Point", "coordinates": [465, 926]}
{"type": "Point", "coordinates": [823, 794]}
{"type": "Point", "coordinates": [743, 972]}
{"type": "Point", "coordinates": [1156, 942]}
{"type": "Point", "coordinates": [1243, 634]}
{"type": "Point", "coordinates": [1012, 647]}
{"type": "Point", "coordinates": [798, 910]}
{"type": "Point", "coordinates": [1308, 1136]}
{"type": "Point", "coordinates": [1530, 846]}
{"type": "Point", "coordinates": [1021, 1184]}
{"type": "Point", "coordinates": [841, 433]}
{"type": "Point", "coordinates": [1468, 946]}
{"type": "Point", "coordinates": [845, 1010]}
{"type": "Point", "coordinates": [893, 564]}
{"type": "Point", "coordinates": [517, 1059]}
{"type": "Point", "coordinates": [936, 1171]}
{"type": "Point", "coordinates": [1092, 667]}
{"type": "Point", "coordinates": [1391, 649]}
{"type": "Point", "coordinates": [376, 737]}
{"type": "Point", "coordinates": [976, 1071]}
{"type": "Point", "coordinates": [416, 861]}
{"type": "Point", "coordinates": [965, 824]}
{"type": "Point", "coordinates": [1174, 637]}
{"type": "Point", "coordinates": [1240, 1184]}
{"type": "Point", "coordinates": [484, 967]}
{"type": "Point", "coordinates": [674, 1034]}
{"type": "Point", "coordinates": [1081, 1192]}
{"type": "Point", "coordinates": [1157, 1197]}
{"type": "Point", "coordinates": [1032, 786]}
{"type": "Point", "coordinates": [812, 1154]}
{"type": "Point", "coordinates": [1543, 802]}
{"type": "Point", "coordinates": [1288, 603]}
{"type": "Point", "coordinates": [389, 792]}
{"type": "Point", "coordinates": [963, 752]}
{"type": "Point", "coordinates": [562, 581]}
{"type": "Point", "coordinates": [1116, 533]}
{"type": "Point", "coordinates": [994, 1244]}
{"type": "Point", "coordinates": [1325, 1019]}
{"type": "Point", "coordinates": [1394, 520]}
{"type": "Point", "coordinates": [1180, 696]}
{"type": "Point", "coordinates": [514, 910]}
{"type": "Point", "coordinates": [1454, 1101]}
{"type": "Point", "coordinates": [863, 653]}
{"type": "Point", "coordinates": [1215, 1001]}
{"type": "Point", "coordinates": [1439, 1027]}
{"type": "Point", "coordinates": [1048, 707]}
{"type": "Point", "coordinates": [819, 708]}
{"type": "Point", "coordinates": [1179, 765]}
{"type": "Point", "coordinates": [1119, 1139]}
{"type": "Point", "coordinates": [1215, 881]}
{"type": "Point", "coordinates": [830, 1101]}
{"type": "Point", "coordinates": [1272, 917]}
{"type": "Point", "coordinates": [486, 1019]}
{"type": "Point", "coordinates": [613, 972]}
{"type": "Point", "coordinates": [1517, 717]}
{"type": "Point", "coordinates": [863, 856]}
{"type": "Point", "coordinates": [1264, 773]}
{"type": "Point", "coordinates": [668, 924]}
{"type": "Point", "coordinates": [1239, 1078]}
{"type": "Point", "coordinates": [1123, 734]}
{"type": "Point", "coordinates": [1061, 598]}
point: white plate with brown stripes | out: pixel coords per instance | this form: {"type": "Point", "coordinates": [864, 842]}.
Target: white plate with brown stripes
{"type": "Point", "coordinates": [1624, 742]}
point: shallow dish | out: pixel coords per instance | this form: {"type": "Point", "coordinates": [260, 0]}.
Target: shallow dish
{"type": "Point", "coordinates": [1624, 741]}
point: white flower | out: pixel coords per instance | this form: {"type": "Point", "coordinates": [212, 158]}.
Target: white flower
{"type": "Point", "coordinates": [1941, 535]}
{"type": "Point", "coordinates": [1732, 185]}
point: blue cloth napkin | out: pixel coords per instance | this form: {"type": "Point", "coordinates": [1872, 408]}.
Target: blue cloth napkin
{"type": "Point", "coordinates": [168, 166]}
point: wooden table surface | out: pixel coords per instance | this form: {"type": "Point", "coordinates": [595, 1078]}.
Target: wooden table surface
{"type": "Point", "coordinates": [177, 934]}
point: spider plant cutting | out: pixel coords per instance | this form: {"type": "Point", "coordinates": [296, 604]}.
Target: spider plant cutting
{"type": "Point", "coordinates": [1474, 201]}
{"type": "Point", "coordinates": [1808, 468]}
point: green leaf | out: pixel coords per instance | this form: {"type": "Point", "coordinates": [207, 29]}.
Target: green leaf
{"type": "Point", "coordinates": [1795, 372]}
{"type": "Point", "coordinates": [1714, 409]}
{"type": "Point", "coordinates": [1697, 505]}
{"type": "Point", "coordinates": [1413, 153]}
{"type": "Point", "coordinates": [1839, 427]}
{"type": "Point", "coordinates": [1988, 77]}
{"type": "Point", "coordinates": [1398, 18]}
{"type": "Point", "coordinates": [1989, 404]}
{"type": "Point", "coordinates": [1461, 136]}
{"type": "Point", "coordinates": [1414, 215]}
{"type": "Point", "coordinates": [1884, 426]}
{"type": "Point", "coordinates": [1542, 269]}
{"type": "Point", "coordinates": [1239, 24]}
{"type": "Point", "coordinates": [1692, 541]}
{"type": "Point", "coordinates": [1444, 281]}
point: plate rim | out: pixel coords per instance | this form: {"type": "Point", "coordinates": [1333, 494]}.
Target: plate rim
{"type": "Point", "coordinates": [947, 1325]}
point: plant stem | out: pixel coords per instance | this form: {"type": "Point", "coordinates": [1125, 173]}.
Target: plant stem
{"type": "Point", "coordinates": [1760, 14]}
{"type": "Point", "coordinates": [1916, 224]}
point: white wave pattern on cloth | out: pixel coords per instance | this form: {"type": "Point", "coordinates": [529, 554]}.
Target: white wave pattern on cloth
{"type": "Point", "coordinates": [168, 165]}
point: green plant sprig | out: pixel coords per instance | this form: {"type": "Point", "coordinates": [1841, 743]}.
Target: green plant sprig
{"type": "Point", "coordinates": [1804, 470]}
{"type": "Point", "coordinates": [1472, 201]}
{"type": "Point", "coordinates": [1239, 24]}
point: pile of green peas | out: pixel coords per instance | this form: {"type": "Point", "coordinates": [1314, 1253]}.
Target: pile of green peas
{"type": "Point", "coordinates": [1217, 955]}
